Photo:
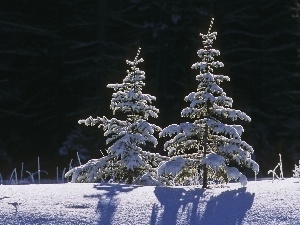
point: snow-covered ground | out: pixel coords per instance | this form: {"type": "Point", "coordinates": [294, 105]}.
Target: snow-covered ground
{"type": "Point", "coordinates": [260, 202]}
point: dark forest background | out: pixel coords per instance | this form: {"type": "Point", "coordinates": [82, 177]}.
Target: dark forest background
{"type": "Point", "coordinates": [57, 56]}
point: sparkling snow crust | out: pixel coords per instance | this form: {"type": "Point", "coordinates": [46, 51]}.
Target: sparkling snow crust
{"type": "Point", "coordinates": [259, 203]}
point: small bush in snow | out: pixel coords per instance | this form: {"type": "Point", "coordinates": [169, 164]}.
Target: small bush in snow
{"type": "Point", "coordinates": [280, 170]}
{"type": "Point", "coordinates": [296, 171]}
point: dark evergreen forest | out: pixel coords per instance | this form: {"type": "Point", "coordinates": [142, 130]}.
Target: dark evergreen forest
{"type": "Point", "coordinates": [56, 58]}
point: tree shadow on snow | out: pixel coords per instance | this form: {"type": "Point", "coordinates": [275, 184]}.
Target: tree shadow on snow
{"type": "Point", "coordinates": [228, 207]}
{"type": "Point", "coordinates": [174, 200]}
{"type": "Point", "coordinates": [108, 200]}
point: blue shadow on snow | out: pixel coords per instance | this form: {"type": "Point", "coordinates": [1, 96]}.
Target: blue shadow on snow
{"type": "Point", "coordinates": [228, 207]}
{"type": "Point", "coordinates": [108, 200]}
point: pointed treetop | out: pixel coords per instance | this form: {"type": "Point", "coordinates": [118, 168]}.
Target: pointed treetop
{"type": "Point", "coordinates": [211, 24]}
{"type": "Point", "coordinates": [209, 38]}
{"type": "Point", "coordinates": [135, 61]}
{"type": "Point", "coordinates": [137, 55]}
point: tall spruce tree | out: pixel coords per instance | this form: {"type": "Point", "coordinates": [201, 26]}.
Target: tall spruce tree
{"type": "Point", "coordinates": [126, 161]}
{"type": "Point", "coordinates": [216, 143]}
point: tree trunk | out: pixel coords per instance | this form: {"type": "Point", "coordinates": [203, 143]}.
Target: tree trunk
{"type": "Point", "coordinates": [204, 184]}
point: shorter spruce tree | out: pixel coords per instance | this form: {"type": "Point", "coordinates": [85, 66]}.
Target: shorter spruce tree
{"type": "Point", "coordinates": [126, 161]}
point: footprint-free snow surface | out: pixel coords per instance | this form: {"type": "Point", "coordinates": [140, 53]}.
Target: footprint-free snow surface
{"type": "Point", "coordinates": [260, 202]}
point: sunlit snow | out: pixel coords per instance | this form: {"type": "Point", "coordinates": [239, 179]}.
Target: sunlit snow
{"type": "Point", "coordinates": [260, 202]}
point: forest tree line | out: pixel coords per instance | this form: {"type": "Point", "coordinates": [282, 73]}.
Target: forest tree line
{"type": "Point", "coordinates": [58, 56]}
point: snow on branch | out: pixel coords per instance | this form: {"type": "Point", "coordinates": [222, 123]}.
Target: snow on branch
{"type": "Point", "coordinates": [217, 127]}
{"type": "Point", "coordinates": [171, 167]}
{"type": "Point", "coordinates": [214, 161]}
{"type": "Point", "coordinates": [90, 121]}
{"type": "Point", "coordinates": [234, 173]}
{"type": "Point", "coordinates": [91, 171]}
{"type": "Point", "coordinates": [232, 114]}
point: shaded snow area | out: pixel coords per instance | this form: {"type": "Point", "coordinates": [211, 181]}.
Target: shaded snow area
{"type": "Point", "coordinates": [260, 202]}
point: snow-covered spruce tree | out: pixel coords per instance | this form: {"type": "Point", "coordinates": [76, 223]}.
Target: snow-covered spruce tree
{"type": "Point", "coordinates": [216, 143]}
{"type": "Point", "coordinates": [126, 161]}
